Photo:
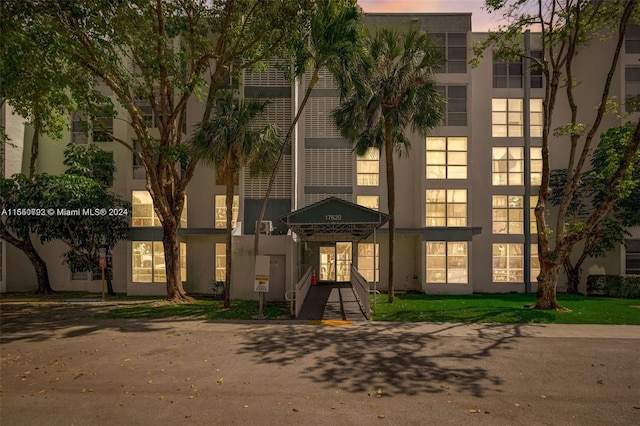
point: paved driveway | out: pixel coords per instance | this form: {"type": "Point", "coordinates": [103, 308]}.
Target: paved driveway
{"type": "Point", "coordinates": [61, 366]}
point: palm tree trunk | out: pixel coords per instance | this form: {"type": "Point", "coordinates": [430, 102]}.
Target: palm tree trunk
{"type": "Point", "coordinates": [391, 201]}
{"type": "Point", "coordinates": [229, 183]}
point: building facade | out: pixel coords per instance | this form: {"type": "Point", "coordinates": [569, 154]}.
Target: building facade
{"type": "Point", "coordinates": [460, 192]}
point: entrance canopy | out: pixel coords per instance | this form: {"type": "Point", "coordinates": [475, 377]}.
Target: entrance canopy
{"type": "Point", "coordinates": [333, 219]}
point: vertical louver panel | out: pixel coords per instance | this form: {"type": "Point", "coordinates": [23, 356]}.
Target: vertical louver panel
{"type": "Point", "coordinates": [256, 187]}
{"type": "Point", "coordinates": [325, 80]}
{"type": "Point", "coordinates": [277, 112]}
{"type": "Point", "coordinates": [314, 198]}
{"type": "Point", "coordinates": [318, 120]}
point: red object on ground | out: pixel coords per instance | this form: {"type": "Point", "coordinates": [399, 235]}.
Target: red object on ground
{"type": "Point", "coordinates": [314, 281]}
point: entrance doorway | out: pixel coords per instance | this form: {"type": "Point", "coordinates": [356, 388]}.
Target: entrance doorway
{"type": "Point", "coordinates": [335, 262]}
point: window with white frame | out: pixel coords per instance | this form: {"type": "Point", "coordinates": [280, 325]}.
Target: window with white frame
{"type": "Point", "coordinates": [535, 263]}
{"type": "Point", "coordinates": [446, 207]}
{"type": "Point", "coordinates": [143, 213]}
{"type": "Point", "coordinates": [221, 262]}
{"type": "Point", "coordinates": [446, 157]}
{"type": "Point", "coordinates": [447, 262]}
{"type": "Point", "coordinates": [368, 168]}
{"type": "Point", "coordinates": [368, 201]}
{"type": "Point", "coordinates": [148, 263]}
{"type": "Point", "coordinates": [221, 211]}
{"type": "Point", "coordinates": [507, 117]}
{"type": "Point", "coordinates": [507, 214]}
{"type": "Point", "coordinates": [507, 165]}
{"type": "Point", "coordinates": [369, 261]}
{"type": "Point", "coordinates": [536, 166]}
{"type": "Point", "coordinates": [632, 257]}
{"type": "Point", "coordinates": [453, 51]}
{"type": "Point", "coordinates": [632, 39]}
{"type": "Point", "coordinates": [508, 262]}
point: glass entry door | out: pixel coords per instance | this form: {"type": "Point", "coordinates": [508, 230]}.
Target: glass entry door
{"type": "Point", "coordinates": [335, 262]}
{"type": "Point", "coordinates": [343, 262]}
{"type": "Point", "coordinates": [327, 263]}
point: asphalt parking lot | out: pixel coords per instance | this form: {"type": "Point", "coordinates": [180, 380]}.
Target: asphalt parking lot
{"type": "Point", "coordinates": [61, 366]}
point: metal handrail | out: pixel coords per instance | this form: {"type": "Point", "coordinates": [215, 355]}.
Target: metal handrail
{"type": "Point", "coordinates": [361, 287]}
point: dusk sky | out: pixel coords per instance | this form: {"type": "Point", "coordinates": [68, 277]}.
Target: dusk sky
{"type": "Point", "coordinates": [481, 20]}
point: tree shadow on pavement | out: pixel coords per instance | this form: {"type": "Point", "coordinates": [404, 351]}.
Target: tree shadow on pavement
{"type": "Point", "coordinates": [397, 359]}
{"type": "Point", "coordinates": [38, 322]}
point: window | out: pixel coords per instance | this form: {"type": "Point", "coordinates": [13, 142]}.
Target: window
{"type": "Point", "coordinates": [143, 213]}
{"type": "Point", "coordinates": [148, 262]}
{"type": "Point", "coordinates": [535, 263]}
{"type": "Point", "coordinates": [78, 128]}
{"type": "Point", "coordinates": [508, 263]}
{"type": "Point", "coordinates": [507, 73]}
{"type": "Point", "coordinates": [508, 165]}
{"type": "Point", "coordinates": [447, 158]}
{"type": "Point", "coordinates": [507, 214]}
{"type": "Point", "coordinates": [453, 51]}
{"type": "Point", "coordinates": [507, 117]}
{"type": "Point", "coordinates": [102, 129]}
{"type": "Point", "coordinates": [138, 167]}
{"type": "Point", "coordinates": [456, 105]}
{"type": "Point", "coordinates": [533, 226]}
{"type": "Point", "coordinates": [368, 201]}
{"type": "Point", "coordinates": [366, 258]}
{"type": "Point", "coordinates": [368, 168]}
{"type": "Point", "coordinates": [632, 89]}
{"type": "Point", "coordinates": [632, 257]}
{"type": "Point", "coordinates": [221, 211]}
{"type": "Point", "coordinates": [221, 262]}
{"type": "Point", "coordinates": [446, 207]}
{"type": "Point", "coordinates": [536, 166]}
{"type": "Point", "coordinates": [632, 39]}
{"type": "Point", "coordinates": [447, 262]}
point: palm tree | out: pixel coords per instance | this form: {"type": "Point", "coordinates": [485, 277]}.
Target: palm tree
{"type": "Point", "coordinates": [229, 141]}
{"type": "Point", "coordinates": [393, 88]}
{"type": "Point", "coordinates": [332, 42]}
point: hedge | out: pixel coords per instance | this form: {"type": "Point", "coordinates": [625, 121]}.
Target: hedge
{"type": "Point", "coordinates": [624, 286]}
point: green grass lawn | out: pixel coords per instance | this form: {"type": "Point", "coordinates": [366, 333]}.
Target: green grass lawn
{"type": "Point", "coordinates": [505, 308]}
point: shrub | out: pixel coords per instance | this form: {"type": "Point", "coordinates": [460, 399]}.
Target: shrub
{"type": "Point", "coordinates": [625, 286]}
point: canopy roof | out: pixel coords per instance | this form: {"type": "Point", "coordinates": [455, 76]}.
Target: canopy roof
{"type": "Point", "coordinates": [333, 219]}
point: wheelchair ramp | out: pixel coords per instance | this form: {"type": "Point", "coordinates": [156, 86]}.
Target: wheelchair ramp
{"type": "Point", "coordinates": [331, 301]}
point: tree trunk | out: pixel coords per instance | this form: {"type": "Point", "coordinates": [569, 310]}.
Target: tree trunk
{"type": "Point", "coordinates": [229, 183]}
{"type": "Point", "coordinates": [391, 202]}
{"type": "Point", "coordinates": [175, 290]}
{"type": "Point", "coordinates": [39, 265]}
{"type": "Point", "coordinates": [573, 276]}
{"type": "Point", "coordinates": [547, 285]}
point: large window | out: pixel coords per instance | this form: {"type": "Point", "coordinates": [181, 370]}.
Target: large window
{"type": "Point", "coordinates": [508, 263]}
{"type": "Point", "coordinates": [148, 265]}
{"type": "Point", "coordinates": [508, 165]}
{"type": "Point", "coordinates": [507, 117]}
{"type": "Point", "coordinates": [446, 207]}
{"type": "Point", "coordinates": [535, 263]}
{"type": "Point", "coordinates": [221, 261]}
{"type": "Point", "coordinates": [632, 257]}
{"type": "Point", "coordinates": [368, 168]}
{"type": "Point", "coordinates": [453, 51]}
{"type": "Point", "coordinates": [533, 226]}
{"type": "Point", "coordinates": [447, 262]}
{"type": "Point", "coordinates": [632, 39]}
{"type": "Point", "coordinates": [368, 201]}
{"type": "Point", "coordinates": [148, 262]}
{"type": "Point", "coordinates": [221, 211]}
{"type": "Point", "coordinates": [507, 214]}
{"type": "Point", "coordinates": [102, 129]}
{"type": "Point", "coordinates": [508, 73]}
{"type": "Point", "coordinates": [456, 106]}
{"type": "Point", "coordinates": [632, 88]}
{"type": "Point", "coordinates": [446, 158]}
{"type": "Point", "coordinates": [536, 166]}
{"type": "Point", "coordinates": [144, 214]}
{"type": "Point", "coordinates": [366, 259]}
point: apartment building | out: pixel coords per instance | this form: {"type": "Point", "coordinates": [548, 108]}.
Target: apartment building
{"type": "Point", "coordinates": [460, 196]}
